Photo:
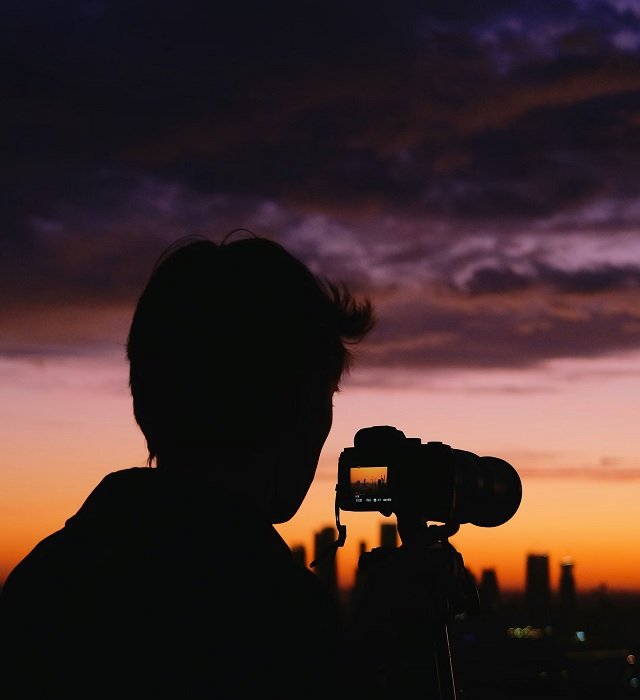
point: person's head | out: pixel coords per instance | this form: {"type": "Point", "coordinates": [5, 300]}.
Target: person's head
{"type": "Point", "coordinates": [238, 345]}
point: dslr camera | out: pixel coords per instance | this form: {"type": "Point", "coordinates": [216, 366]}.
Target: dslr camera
{"type": "Point", "coordinates": [386, 471]}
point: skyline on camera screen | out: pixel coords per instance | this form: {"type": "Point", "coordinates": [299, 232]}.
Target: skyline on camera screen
{"type": "Point", "coordinates": [369, 484]}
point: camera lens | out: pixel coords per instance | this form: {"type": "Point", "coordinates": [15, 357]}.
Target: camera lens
{"type": "Point", "coordinates": [488, 490]}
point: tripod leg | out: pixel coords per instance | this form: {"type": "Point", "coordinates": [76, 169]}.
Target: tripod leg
{"type": "Point", "coordinates": [446, 682]}
{"type": "Point", "coordinates": [422, 665]}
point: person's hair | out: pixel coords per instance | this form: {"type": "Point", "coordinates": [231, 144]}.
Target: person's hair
{"type": "Point", "coordinates": [223, 333]}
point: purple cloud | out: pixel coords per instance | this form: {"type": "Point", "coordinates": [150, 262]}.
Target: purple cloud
{"type": "Point", "coordinates": [473, 167]}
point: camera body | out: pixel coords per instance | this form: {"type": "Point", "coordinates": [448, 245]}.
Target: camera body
{"type": "Point", "coordinates": [386, 471]}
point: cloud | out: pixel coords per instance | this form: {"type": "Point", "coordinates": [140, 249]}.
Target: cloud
{"type": "Point", "coordinates": [446, 300]}
{"type": "Point", "coordinates": [48, 375]}
{"type": "Point", "coordinates": [472, 167]}
{"type": "Point", "coordinates": [603, 473]}
{"type": "Point", "coordinates": [325, 105]}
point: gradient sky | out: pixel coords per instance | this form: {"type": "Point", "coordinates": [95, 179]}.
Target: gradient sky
{"type": "Point", "coordinates": [473, 167]}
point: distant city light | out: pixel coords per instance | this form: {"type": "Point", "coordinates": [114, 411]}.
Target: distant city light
{"type": "Point", "coordinates": [580, 636]}
{"type": "Point", "coordinates": [527, 632]}
{"type": "Point", "coordinates": [631, 659]}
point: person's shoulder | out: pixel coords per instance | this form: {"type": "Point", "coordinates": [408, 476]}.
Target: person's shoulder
{"type": "Point", "coordinates": [128, 482]}
{"type": "Point", "coordinates": [52, 552]}
{"type": "Point", "coordinates": [36, 557]}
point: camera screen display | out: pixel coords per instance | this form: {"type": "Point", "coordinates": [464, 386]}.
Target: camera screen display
{"type": "Point", "coordinates": [369, 486]}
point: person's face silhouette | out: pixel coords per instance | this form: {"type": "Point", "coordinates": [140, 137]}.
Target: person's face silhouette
{"type": "Point", "coordinates": [301, 441]}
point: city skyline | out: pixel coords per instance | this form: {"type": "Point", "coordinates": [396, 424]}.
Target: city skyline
{"type": "Point", "coordinates": [472, 168]}
{"type": "Point", "coordinates": [557, 583]}
{"type": "Point", "coordinates": [552, 638]}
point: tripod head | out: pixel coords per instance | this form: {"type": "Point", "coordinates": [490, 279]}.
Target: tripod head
{"type": "Point", "coordinates": [435, 564]}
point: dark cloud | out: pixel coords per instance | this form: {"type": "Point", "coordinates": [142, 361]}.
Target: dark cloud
{"type": "Point", "coordinates": [324, 103]}
{"type": "Point", "coordinates": [492, 280]}
{"type": "Point", "coordinates": [487, 334]}
{"type": "Point", "coordinates": [434, 155]}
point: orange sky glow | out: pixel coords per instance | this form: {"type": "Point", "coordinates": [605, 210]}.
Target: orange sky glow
{"type": "Point", "coordinates": [570, 429]}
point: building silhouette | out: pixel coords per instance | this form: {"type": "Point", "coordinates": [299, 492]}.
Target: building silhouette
{"type": "Point", "coordinates": [388, 535]}
{"type": "Point", "coordinates": [567, 595]}
{"type": "Point", "coordinates": [538, 589]}
{"type": "Point", "coordinates": [567, 586]}
{"type": "Point", "coordinates": [362, 548]}
{"type": "Point", "coordinates": [299, 553]}
{"type": "Point", "coordinates": [489, 591]}
{"type": "Point", "coordinates": [325, 567]}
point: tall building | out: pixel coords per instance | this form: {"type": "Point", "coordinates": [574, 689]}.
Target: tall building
{"type": "Point", "coordinates": [538, 589]}
{"type": "Point", "coordinates": [362, 549]}
{"type": "Point", "coordinates": [388, 535]}
{"type": "Point", "coordinates": [567, 590]}
{"type": "Point", "coordinates": [299, 553]}
{"type": "Point", "coordinates": [489, 591]}
{"type": "Point", "coordinates": [325, 556]}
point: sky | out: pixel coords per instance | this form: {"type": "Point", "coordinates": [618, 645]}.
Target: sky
{"type": "Point", "coordinates": [471, 167]}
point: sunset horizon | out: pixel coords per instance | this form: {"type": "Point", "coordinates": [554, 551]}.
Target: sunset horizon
{"type": "Point", "coordinates": [472, 169]}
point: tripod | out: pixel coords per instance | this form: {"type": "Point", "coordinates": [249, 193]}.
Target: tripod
{"type": "Point", "coordinates": [406, 597]}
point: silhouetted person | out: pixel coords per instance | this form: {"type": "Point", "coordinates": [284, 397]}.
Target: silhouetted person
{"type": "Point", "coordinates": [171, 581]}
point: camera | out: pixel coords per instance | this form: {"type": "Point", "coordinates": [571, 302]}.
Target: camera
{"type": "Point", "coordinates": [386, 471]}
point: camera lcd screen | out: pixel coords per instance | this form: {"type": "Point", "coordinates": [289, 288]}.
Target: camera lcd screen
{"type": "Point", "coordinates": [369, 486]}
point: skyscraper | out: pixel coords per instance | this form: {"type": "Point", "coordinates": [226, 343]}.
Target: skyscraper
{"type": "Point", "coordinates": [326, 565]}
{"type": "Point", "coordinates": [388, 535]}
{"type": "Point", "coordinates": [489, 591]}
{"type": "Point", "coordinates": [362, 548]}
{"type": "Point", "coordinates": [538, 589]}
{"type": "Point", "coordinates": [567, 589]}
{"type": "Point", "coordinates": [299, 553]}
